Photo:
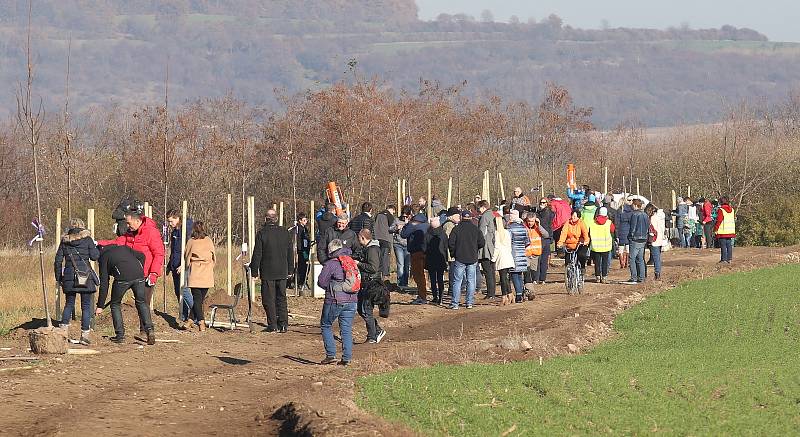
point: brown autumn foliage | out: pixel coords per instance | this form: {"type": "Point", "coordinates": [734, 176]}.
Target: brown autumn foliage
{"type": "Point", "coordinates": [364, 135]}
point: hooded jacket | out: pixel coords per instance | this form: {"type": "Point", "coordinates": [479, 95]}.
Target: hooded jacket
{"type": "Point", "coordinates": [414, 233]}
{"type": "Point", "coordinates": [624, 225]}
{"type": "Point", "coordinates": [327, 221]}
{"type": "Point", "coordinates": [121, 262]}
{"type": "Point", "coordinates": [78, 243]}
{"type": "Point", "coordinates": [147, 239]}
{"type": "Point", "coordinates": [436, 249]}
{"type": "Point", "coordinates": [332, 271]}
{"type": "Point", "coordinates": [370, 263]}
{"type": "Point", "coordinates": [720, 217]}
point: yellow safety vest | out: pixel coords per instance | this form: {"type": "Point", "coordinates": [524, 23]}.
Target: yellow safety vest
{"type": "Point", "coordinates": [728, 225]}
{"type": "Point", "coordinates": [601, 236]}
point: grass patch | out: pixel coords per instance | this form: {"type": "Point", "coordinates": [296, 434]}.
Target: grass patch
{"type": "Point", "coordinates": [712, 357]}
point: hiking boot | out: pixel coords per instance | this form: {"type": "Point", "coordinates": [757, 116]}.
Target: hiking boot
{"type": "Point", "coordinates": [328, 360]}
{"type": "Point", "coordinates": [202, 326]}
{"type": "Point", "coordinates": [658, 276]}
{"type": "Point", "coordinates": [380, 336]}
{"type": "Point", "coordinates": [183, 325]}
{"type": "Point", "coordinates": [151, 337]}
{"type": "Point", "coordinates": [283, 328]}
{"type": "Point", "coordinates": [419, 301]}
{"type": "Point", "coordinates": [85, 338]}
{"type": "Point", "coordinates": [518, 298]}
{"type": "Point", "coordinates": [344, 363]}
{"type": "Point", "coordinates": [119, 339]}
{"type": "Point", "coordinates": [270, 329]}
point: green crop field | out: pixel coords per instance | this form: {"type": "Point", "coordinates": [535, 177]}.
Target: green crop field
{"type": "Point", "coordinates": [713, 357]}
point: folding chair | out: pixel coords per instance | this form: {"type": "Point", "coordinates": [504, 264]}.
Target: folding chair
{"type": "Point", "coordinates": [237, 295]}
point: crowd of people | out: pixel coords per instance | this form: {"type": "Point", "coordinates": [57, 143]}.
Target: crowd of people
{"type": "Point", "coordinates": [476, 247]}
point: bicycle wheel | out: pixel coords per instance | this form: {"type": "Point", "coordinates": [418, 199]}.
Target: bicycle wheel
{"type": "Point", "coordinates": [572, 279]}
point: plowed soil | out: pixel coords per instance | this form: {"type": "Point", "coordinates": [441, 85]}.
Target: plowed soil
{"type": "Point", "coordinates": [225, 382]}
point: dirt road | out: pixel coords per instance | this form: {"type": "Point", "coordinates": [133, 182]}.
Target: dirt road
{"type": "Point", "coordinates": [242, 384]}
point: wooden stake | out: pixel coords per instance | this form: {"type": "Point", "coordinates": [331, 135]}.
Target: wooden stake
{"type": "Point", "coordinates": [637, 187]}
{"type": "Point", "coordinates": [624, 187]}
{"type": "Point", "coordinates": [280, 215]}
{"type": "Point", "coordinates": [674, 201]}
{"type": "Point", "coordinates": [449, 193]}
{"type": "Point", "coordinates": [405, 192]}
{"type": "Point", "coordinates": [399, 197]}
{"type": "Point", "coordinates": [184, 214]}
{"type": "Point", "coordinates": [57, 232]}
{"type": "Point", "coordinates": [605, 180]}
{"type": "Point", "coordinates": [428, 203]}
{"type": "Point", "coordinates": [229, 272]}
{"type": "Point", "coordinates": [251, 237]}
{"type": "Point", "coordinates": [502, 187]}
{"type": "Point", "coordinates": [688, 191]}
{"type": "Point", "coordinates": [312, 255]}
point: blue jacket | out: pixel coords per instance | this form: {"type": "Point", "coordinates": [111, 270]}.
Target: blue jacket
{"type": "Point", "coordinates": [640, 227]}
{"type": "Point", "coordinates": [578, 197]}
{"type": "Point", "coordinates": [519, 241]}
{"type": "Point", "coordinates": [415, 234]}
{"type": "Point", "coordinates": [623, 224]}
{"type": "Point", "coordinates": [175, 245]}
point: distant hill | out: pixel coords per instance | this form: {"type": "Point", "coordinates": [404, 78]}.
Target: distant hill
{"type": "Point", "coordinates": [120, 49]}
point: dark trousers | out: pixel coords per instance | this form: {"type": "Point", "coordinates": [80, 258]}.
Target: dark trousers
{"type": "Point", "coordinates": [544, 260]}
{"type": "Point", "coordinates": [148, 294]}
{"type": "Point", "coordinates": [386, 247]}
{"type": "Point", "coordinates": [273, 298]}
{"type": "Point", "coordinates": [86, 309]}
{"type": "Point", "coordinates": [118, 291]}
{"type": "Point", "coordinates": [601, 263]}
{"type": "Point", "coordinates": [505, 282]}
{"type": "Point", "coordinates": [176, 282]}
{"type": "Point", "coordinates": [365, 310]}
{"type": "Point", "coordinates": [198, 297]}
{"type": "Point", "coordinates": [437, 283]}
{"type": "Point", "coordinates": [488, 273]}
{"type": "Point", "coordinates": [708, 230]}
{"type": "Point", "coordinates": [302, 269]}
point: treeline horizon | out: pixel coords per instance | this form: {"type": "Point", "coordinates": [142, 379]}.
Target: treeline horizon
{"type": "Point", "coordinates": [364, 135]}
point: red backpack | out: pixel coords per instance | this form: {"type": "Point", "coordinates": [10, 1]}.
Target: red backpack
{"type": "Point", "coordinates": [351, 274]}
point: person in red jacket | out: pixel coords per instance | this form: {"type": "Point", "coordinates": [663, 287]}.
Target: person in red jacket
{"type": "Point", "coordinates": [725, 228]}
{"type": "Point", "coordinates": [143, 236]}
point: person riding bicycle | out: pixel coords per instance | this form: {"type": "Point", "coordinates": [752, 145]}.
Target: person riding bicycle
{"type": "Point", "coordinates": [575, 237]}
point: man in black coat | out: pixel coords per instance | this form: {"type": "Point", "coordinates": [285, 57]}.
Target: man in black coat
{"type": "Point", "coordinates": [465, 241]}
{"type": "Point", "coordinates": [273, 262]}
{"type": "Point", "coordinates": [339, 231]}
{"type": "Point", "coordinates": [363, 220]}
{"type": "Point", "coordinates": [125, 265]}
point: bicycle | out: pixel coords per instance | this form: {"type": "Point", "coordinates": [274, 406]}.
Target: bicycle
{"type": "Point", "coordinates": [574, 274]}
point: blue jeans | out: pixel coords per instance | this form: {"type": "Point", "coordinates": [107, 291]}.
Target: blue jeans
{"type": "Point", "coordinates": [637, 261]}
{"type": "Point", "coordinates": [655, 253]}
{"type": "Point", "coordinates": [403, 258]}
{"type": "Point", "coordinates": [87, 309]}
{"type": "Point", "coordinates": [726, 249]}
{"type": "Point", "coordinates": [459, 271]}
{"type": "Point", "coordinates": [516, 279]}
{"type": "Point", "coordinates": [188, 301]}
{"type": "Point", "coordinates": [345, 312]}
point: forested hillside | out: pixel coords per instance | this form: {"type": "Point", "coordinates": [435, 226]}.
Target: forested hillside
{"type": "Point", "coordinates": [120, 50]}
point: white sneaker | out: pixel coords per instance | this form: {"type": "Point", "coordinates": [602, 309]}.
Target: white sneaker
{"type": "Point", "coordinates": [380, 336]}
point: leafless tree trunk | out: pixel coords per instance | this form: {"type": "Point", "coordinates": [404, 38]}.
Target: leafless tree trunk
{"type": "Point", "coordinates": [31, 119]}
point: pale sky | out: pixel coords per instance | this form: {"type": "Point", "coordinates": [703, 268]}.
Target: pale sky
{"type": "Point", "coordinates": [778, 19]}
